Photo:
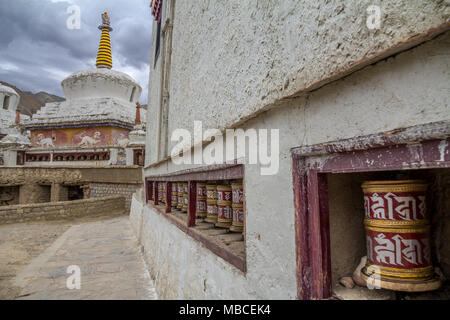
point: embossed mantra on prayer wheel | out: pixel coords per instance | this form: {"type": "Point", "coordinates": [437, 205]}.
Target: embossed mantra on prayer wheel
{"type": "Point", "coordinates": [174, 195]}
{"type": "Point", "coordinates": [211, 203]}
{"type": "Point", "coordinates": [238, 207]}
{"type": "Point", "coordinates": [180, 189]}
{"type": "Point", "coordinates": [185, 197]}
{"type": "Point", "coordinates": [224, 211]}
{"type": "Point", "coordinates": [201, 211]}
{"type": "Point", "coordinates": [398, 236]}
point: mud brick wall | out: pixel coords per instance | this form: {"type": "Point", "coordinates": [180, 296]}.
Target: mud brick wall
{"type": "Point", "coordinates": [114, 205]}
{"type": "Point", "coordinates": [109, 189]}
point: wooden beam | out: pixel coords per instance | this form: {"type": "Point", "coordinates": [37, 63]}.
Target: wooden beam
{"type": "Point", "coordinates": [215, 172]}
{"type": "Point", "coordinates": [168, 197]}
{"type": "Point", "coordinates": [424, 132]}
{"type": "Point", "coordinates": [155, 192]}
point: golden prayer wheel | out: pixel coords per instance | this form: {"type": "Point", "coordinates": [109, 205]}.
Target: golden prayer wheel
{"type": "Point", "coordinates": [211, 203]}
{"type": "Point", "coordinates": [180, 189]}
{"type": "Point", "coordinates": [398, 236]}
{"type": "Point", "coordinates": [201, 210]}
{"type": "Point", "coordinates": [174, 195]}
{"type": "Point", "coordinates": [224, 211]}
{"type": "Point", "coordinates": [184, 208]}
{"type": "Point", "coordinates": [237, 207]}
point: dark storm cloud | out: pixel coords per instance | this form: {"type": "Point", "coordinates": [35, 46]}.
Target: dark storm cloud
{"type": "Point", "coordinates": [37, 50]}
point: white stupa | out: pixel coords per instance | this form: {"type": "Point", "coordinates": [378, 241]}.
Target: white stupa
{"type": "Point", "coordinates": [92, 125]}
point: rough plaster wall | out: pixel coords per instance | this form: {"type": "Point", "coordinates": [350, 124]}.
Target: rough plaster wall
{"type": "Point", "coordinates": [408, 89]}
{"type": "Point", "coordinates": [230, 58]}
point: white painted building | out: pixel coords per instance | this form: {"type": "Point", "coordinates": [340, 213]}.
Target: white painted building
{"type": "Point", "coordinates": [13, 137]}
{"type": "Point", "coordinates": [337, 80]}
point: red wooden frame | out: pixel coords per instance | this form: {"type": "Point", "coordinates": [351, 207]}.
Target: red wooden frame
{"type": "Point", "coordinates": [192, 196]}
{"type": "Point", "coordinates": [168, 197]}
{"type": "Point", "coordinates": [214, 172]}
{"type": "Point", "coordinates": [155, 193]}
{"type": "Point", "coordinates": [419, 147]}
{"type": "Point", "coordinates": [148, 190]}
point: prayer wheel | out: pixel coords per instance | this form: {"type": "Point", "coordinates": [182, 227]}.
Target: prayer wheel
{"type": "Point", "coordinates": [211, 203]}
{"type": "Point", "coordinates": [163, 190]}
{"type": "Point", "coordinates": [224, 211]}
{"type": "Point", "coordinates": [180, 189]}
{"type": "Point", "coordinates": [201, 210]}
{"type": "Point", "coordinates": [237, 206]}
{"type": "Point", "coordinates": [398, 236]}
{"type": "Point", "coordinates": [185, 197]}
{"type": "Point", "coordinates": [174, 195]}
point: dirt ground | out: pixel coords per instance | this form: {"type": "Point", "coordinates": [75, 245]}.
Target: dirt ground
{"type": "Point", "coordinates": [22, 242]}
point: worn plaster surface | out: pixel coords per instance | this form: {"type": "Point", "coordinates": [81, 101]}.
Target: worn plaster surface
{"type": "Point", "coordinates": [232, 58]}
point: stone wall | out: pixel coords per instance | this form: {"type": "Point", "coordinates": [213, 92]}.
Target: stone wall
{"type": "Point", "coordinates": [45, 184]}
{"type": "Point", "coordinates": [114, 205]}
{"type": "Point", "coordinates": [9, 195]}
{"type": "Point", "coordinates": [108, 189]}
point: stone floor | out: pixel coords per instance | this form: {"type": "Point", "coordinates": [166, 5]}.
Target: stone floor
{"type": "Point", "coordinates": [108, 256]}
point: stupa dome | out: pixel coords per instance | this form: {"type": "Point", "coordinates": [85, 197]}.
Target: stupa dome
{"type": "Point", "coordinates": [101, 83]}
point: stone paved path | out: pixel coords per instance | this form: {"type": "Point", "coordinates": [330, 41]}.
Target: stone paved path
{"type": "Point", "coordinates": [109, 259]}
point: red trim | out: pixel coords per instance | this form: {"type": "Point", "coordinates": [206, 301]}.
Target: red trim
{"type": "Point", "coordinates": [168, 197]}
{"type": "Point", "coordinates": [309, 168]}
{"type": "Point", "coordinates": [192, 203]}
{"type": "Point", "coordinates": [156, 6]}
{"type": "Point", "coordinates": [148, 190]}
{"type": "Point", "coordinates": [20, 158]}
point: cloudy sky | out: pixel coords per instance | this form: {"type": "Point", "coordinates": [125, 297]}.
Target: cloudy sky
{"type": "Point", "coordinates": [38, 50]}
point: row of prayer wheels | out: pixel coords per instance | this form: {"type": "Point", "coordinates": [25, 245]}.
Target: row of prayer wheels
{"type": "Point", "coordinates": [224, 204]}
{"type": "Point", "coordinates": [220, 203]}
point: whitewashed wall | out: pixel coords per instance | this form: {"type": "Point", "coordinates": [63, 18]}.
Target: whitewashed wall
{"type": "Point", "coordinates": [408, 89]}
{"type": "Point", "coordinates": [231, 58]}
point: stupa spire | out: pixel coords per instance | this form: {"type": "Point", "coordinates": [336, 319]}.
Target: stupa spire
{"type": "Point", "coordinates": [104, 59]}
